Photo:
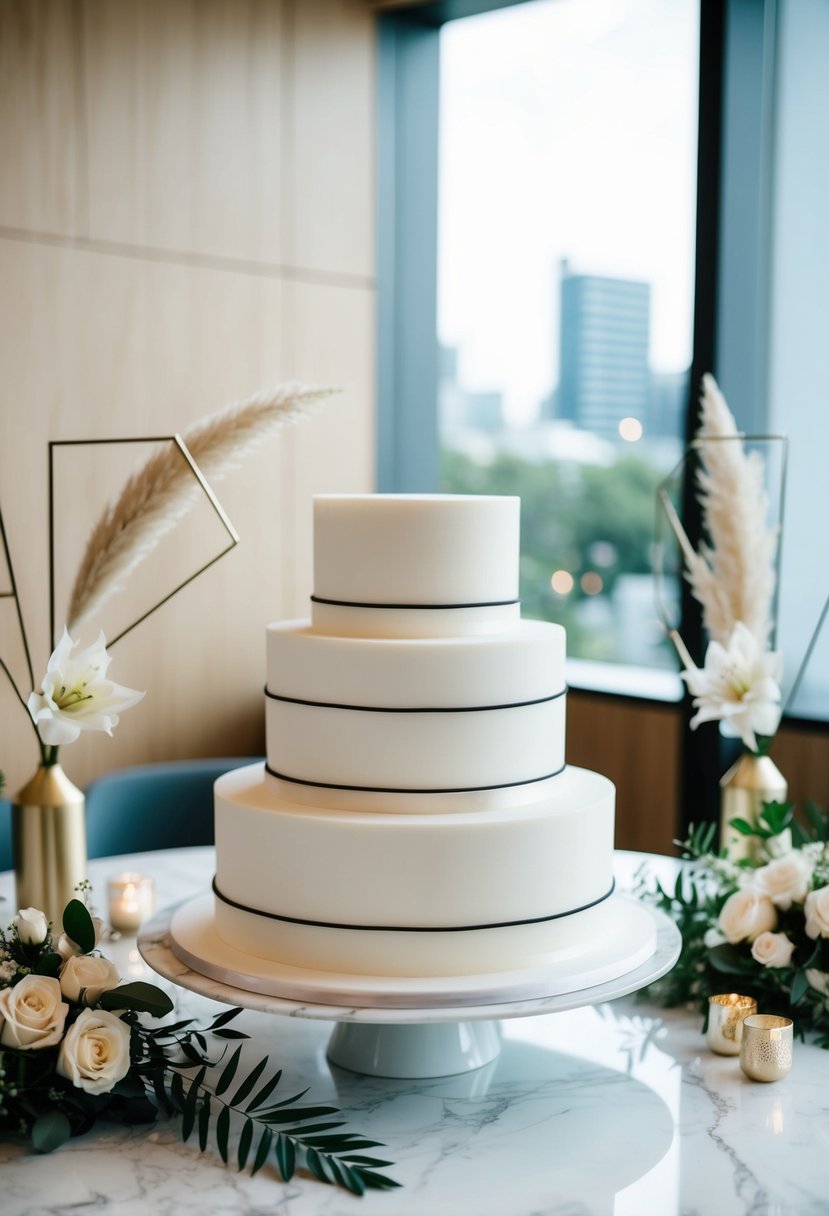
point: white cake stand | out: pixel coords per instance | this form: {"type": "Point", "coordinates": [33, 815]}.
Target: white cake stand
{"type": "Point", "coordinates": [397, 1027]}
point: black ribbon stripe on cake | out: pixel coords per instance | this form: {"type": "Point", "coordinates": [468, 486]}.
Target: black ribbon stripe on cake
{"type": "Point", "coordinates": [320, 599]}
{"type": "Point", "coordinates": [414, 709]}
{"type": "Point", "coordinates": [325, 924]}
{"type": "Point", "coordinates": [386, 789]}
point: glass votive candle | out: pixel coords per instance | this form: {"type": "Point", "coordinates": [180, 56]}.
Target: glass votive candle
{"type": "Point", "coordinates": [131, 899]}
{"type": "Point", "coordinates": [766, 1047]}
{"type": "Point", "coordinates": [726, 1013]}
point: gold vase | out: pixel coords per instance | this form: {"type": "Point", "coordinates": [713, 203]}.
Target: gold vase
{"type": "Point", "coordinates": [49, 842]}
{"type": "Point", "coordinates": [749, 783]}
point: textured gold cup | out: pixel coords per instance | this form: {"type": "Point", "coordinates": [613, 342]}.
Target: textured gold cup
{"type": "Point", "coordinates": [726, 1013]}
{"type": "Point", "coordinates": [766, 1047]}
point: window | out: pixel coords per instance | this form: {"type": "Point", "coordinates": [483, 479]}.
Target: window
{"type": "Point", "coordinates": [573, 318]}
{"type": "Point", "coordinates": [566, 212]}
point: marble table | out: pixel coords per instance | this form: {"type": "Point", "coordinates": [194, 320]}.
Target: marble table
{"type": "Point", "coordinates": [617, 1108]}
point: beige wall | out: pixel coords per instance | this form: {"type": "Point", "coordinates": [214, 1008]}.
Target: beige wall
{"type": "Point", "coordinates": [186, 215]}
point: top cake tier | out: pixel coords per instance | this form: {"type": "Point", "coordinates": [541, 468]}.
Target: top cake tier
{"type": "Point", "coordinates": [432, 560]}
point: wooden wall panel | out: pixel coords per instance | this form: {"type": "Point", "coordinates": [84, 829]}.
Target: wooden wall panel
{"type": "Point", "coordinates": [41, 144]}
{"type": "Point", "coordinates": [183, 294]}
{"type": "Point", "coordinates": [332, 133]}
{"type": "Point", "coordinates": [636, 744]}
{"type": "Point", "coordinates": [184, 109]}
{"type": "Point", "coordinates": [802, 755]}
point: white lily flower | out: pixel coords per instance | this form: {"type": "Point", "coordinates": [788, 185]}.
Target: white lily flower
{"type": "Point", "coordinates": [77, 695]}
{"type": "Point", "coordinates": [739, 686]}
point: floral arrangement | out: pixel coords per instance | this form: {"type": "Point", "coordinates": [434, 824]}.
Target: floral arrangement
{"type": "Point", "coordinates": [760, 925]}
{"type": "Point", "coordinates": [74, 1048]}
{"type": "Point", "coordinates": [733, 576]}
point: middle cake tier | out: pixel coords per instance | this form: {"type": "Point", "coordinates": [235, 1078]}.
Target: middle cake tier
{"type": "Point", "coordinates": [412, 714]}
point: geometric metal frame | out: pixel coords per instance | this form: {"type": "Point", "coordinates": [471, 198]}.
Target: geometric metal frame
{"type": "Point", "coordinates": [200, 478]}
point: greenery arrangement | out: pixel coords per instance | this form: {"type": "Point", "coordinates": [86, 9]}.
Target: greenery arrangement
{"type": "Point", "coordinates": [758, 926]}
{"type": "Point", "coordinates": [74, 1048]}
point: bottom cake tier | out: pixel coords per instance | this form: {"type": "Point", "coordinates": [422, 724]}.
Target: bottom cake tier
{"type": "Point", "coordinates": [367, 893]}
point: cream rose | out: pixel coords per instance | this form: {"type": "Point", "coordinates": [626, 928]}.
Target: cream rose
{"type": "Point", "coordinates": [85, 977]}
{"type": "Point", "coordinates": [95, 1053]}
{"type": "Point", "coordinates": [66, 948]}
{"type": "Point", "coordinates": [772, 949]}
{"type": "Point", "coordinates": [817, 912]}
{"type": "Point", "coordinates": [785, 880]}
{"type": "Point", "coordinates": [32, 926]}
{"type": "Point", "coordinates": [32, 1013]}
{"type": "Point", "coordinates": [746, 914]}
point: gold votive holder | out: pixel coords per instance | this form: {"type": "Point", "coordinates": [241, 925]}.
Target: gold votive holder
{"type": "Point", "coordinates": [766, 1047]}
{"type": "Point", "coordinates": [726, 1013]}
{"type": "Point", "coordinates": [131, 901]}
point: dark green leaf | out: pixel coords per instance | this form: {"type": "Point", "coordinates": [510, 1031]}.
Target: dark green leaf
{"type": "Point", "coordinates": [77, 924]}
{"type": "Point", "coordinates": [228, 1072]}
{"type": "Point", "coordinates": [177, 1091]}
{"type": "Point", "coordinates": [204, 1121]}
{"type": "Point", "coordinates": [360, 1159]}
{"type": "Point", "coordinates": [250, 1080]}
{"type": "Point", "coordinates": [742, 825]}
{"type": "Point", "coordinates": [727, 959]}
{"type": "Point", "coordinates": [188, 1114]}
{"type": "Point", "coordinates": [316, 1164]}
{"type": "Point", "coordinates": [777, 816]}
{"type": "Point", "coordinates": [267, 1089]}
{"type": "Point", "coordinates": [48, 964]}
{"type": "Point", "coordinates": [377, 1182]}
{"type": "Point", "coordinates": [262, 1151]}
{"type": "Point", "coordinates": [222, 1019]}
{"type": "Point", "coordinates": [818, 820]}
{"type": "Point", "coordinates": [346, 1177]}
{"type": "Point", "coordinates": [285, 1157]}
{"type": "Point", "coordinates": [140, 996]}
{"type": "Point", "coordinates": [223, 1131]}
{"type": "Point", "coordinates": [295, 1114]}
{"type": "Point", "coordinates": [245, 1142]}
{"type": "Point", "coordinates": [230, 1034]}
{"type": "Point", "coordinates": [50, 1131]}
{"type": "Point", "coordinates": [800, 986]}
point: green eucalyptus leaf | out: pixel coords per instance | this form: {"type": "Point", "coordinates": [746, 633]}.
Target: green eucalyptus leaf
{"type": "Point", "coordinates": [228, 1072]}
{"type": "Point", "coordinates": [188, 1114]}
{"type": "Point", "coordinates": [800, 986]}
{"type": "Point", "coordinates": [223, 1131]}
{"type": "Point", "coordinates": [204, 1121]}
{"type": "Point", "coordinates": [285, 1153]}
{"type": "Point", "coordinates": [139, 996]}
{"type": "Point", "coordinates": [262, 1151]}
{"type": "Point", "coordinates": [266, 1091]}
{"type": "Point", "coordinates": [377, 1182]}
{"type": "Point", "coordinates": [316, 1164]}
{"type": "Point", "coordinates": [245, 1140]}
{"type": "Point", "coordinates": [50, 1131]}
{"type": "Point", "coordinates": [742, 825]}
{"type": "Point", "coordinates": [222, 1019]}
{"type": "Point", "coordinates": [250, 1080]}
{"type": "Point", "coordinates": [77, 924]}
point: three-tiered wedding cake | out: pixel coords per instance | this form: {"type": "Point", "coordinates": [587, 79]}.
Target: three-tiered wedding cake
{"type": "Point", "coordinates": [415, 816]}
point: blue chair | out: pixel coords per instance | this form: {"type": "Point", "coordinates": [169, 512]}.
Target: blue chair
{"type": "Point", "coordinates": [154, 806]}
{"type": "Point", "coordinates": [5, 834]}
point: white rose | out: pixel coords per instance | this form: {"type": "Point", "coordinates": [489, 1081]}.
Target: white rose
{"type": "Point", "coordinates": [88, 974]}
{"type": "Point", "coordinates": [785, 880]}
{"type": "Point", "coordinates": [95, 1052]}
{"type": "Point", "coordinates": [772, 949]}
{"type": "Point", "coordinates": [32, 926]}
{"type": "Point", "coordinates": [66, 948]}
{"type": "Point", "coordinates": [746, 914]}
{"type": "Point", "coordinates": [817, 912]}
{"type": "Point", "coordinates": [32, 1013]}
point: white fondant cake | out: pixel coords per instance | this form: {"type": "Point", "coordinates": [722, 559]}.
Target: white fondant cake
{"type": "Point", "coordinates": [415, 816]}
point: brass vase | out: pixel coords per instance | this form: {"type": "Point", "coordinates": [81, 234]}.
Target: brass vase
{"type": "Point", "coordinates": [49, 842]}
{"type": "Point", "coordinates": [749, 783]}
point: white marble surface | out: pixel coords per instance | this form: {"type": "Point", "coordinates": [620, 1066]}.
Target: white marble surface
{"type": "Point", "coordinates": [618, 1108]}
